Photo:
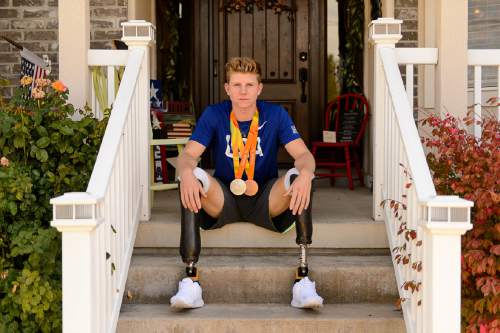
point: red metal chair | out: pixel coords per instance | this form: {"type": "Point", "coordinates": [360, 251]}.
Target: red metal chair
{"type": "Point", "coordinates": [349, 113]}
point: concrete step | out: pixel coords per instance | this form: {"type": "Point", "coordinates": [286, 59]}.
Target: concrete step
{"type": "Point", "coordinates": [264, 278]}
{"type": "Point", "coordinates": [342, 219]}
{"type": "Point", "coordinates": [255, 318]}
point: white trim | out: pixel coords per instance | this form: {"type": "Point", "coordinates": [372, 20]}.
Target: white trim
{"type": "Point", "coordinates": [107, 57]}
{"type": "Point", "coordinates": [421, 56]}
{"type": "Point", "coordinates": [486, 57]}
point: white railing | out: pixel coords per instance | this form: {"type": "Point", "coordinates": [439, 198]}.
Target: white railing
{"type": "Point", "coordinates": [107, 62]}
{"type": "Point", "coordinates": [479, 59]}
{"type": "Point", "coordinates": [423, 228]}
{"type": "Point", "coordinates": [99, 226]}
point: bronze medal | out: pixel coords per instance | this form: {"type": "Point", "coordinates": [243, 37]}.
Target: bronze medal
{"type": "Point", "coordinates": [238, 187]}
{"type": "Point", "coordinates": [251, 187]}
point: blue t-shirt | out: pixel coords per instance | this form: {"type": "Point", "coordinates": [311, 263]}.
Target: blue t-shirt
{"type": "Point", "coordinates": [275, 128]}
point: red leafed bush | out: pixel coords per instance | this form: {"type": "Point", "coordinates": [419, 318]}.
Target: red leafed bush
{"type": "Point", "coordinates": [470, 168]}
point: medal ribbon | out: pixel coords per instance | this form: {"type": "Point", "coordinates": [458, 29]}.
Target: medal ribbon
{"type": "Point", "coordinates": [248, 149]}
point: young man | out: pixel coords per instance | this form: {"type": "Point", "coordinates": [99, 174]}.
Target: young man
{"type": "Point", "coordinates": [245, 135]}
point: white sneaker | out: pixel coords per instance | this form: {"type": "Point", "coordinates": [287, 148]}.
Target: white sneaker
{"type": "Point", "coordinates": [188, 296]}
{"type": "Point", "coordinates": [305, 296]}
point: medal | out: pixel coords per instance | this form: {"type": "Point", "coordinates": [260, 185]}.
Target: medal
{"type": "Point", "coordinates": [238, 186]}
{"type": "Point", "coordinates": [251, 187]}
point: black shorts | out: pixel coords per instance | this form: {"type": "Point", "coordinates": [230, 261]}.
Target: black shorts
{"type": "Point", "coordinates": [254, 209]}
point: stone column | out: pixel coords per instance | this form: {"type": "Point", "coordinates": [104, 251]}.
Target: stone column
{"type": "Point", "coordinates": [451, 70]}
{"type": "Point", "coordinates": [387, 8]}
{"type": "Point", "coordinates": [74, 43]}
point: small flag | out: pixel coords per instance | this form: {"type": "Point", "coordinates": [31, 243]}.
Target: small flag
{"type": "Point", "coordinates": [32, 66]}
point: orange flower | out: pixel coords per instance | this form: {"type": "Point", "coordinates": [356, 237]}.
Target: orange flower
{"type": "Point", "coordinates": [37, 93]}
{"type": "Point", "coordinates": [26, 80]}
{"type": "Point", "coordinates": [59, 86]}
{"type": "Point", "coordinates": [42, 82]}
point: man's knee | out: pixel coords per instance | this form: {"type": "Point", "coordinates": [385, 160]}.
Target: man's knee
{"type": "Point", "coordinates": [214, 200]}
{"type": "Point", "coordinates": [278, 202]}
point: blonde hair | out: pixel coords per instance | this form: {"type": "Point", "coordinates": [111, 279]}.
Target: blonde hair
{"type": "Point", "coordinates": [242, 65]}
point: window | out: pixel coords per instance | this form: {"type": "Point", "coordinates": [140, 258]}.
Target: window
{"type": "Point", "coordinates": [484, 33]}
{"type": "Point", "coordinates": [332, 49]}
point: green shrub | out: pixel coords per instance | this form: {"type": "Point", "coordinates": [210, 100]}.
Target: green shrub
{"type": "Point", "coordinates": [470, 168]}
{"type": "Point", "coordinates": [43, 153]}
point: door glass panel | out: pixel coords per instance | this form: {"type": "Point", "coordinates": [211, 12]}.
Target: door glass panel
{"type": "Point", "coordinates": [332, 48]}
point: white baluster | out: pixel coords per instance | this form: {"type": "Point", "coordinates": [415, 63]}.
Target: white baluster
{"type": "Point", "coordinates": [409, 84]}
{"type": "Point", "coordinates": [477, 100]}
{"type": "Point", "coordinates": [111, 85]}
{"type": "Point", "coordinates": [498, 93]}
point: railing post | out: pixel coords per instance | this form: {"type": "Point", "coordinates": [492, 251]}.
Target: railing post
{"type": "Point", "coordinates": [139, 34]}
{"type": "Point", "coordinates": [75, 216]}
{"type": "Point", "coordinates": [383, 32]}
{"type": "Point", "coordinates": [446, 219]}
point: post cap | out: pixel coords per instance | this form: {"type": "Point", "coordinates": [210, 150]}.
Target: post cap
{"type": "Point", "coordinates": [385, 30]}
{"type": "Point", "coordinates": [138, 32]}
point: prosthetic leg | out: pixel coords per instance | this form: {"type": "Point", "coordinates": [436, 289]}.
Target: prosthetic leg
{"type": "Point", "coordinates": [304, 290]}
{"type": "Point", "coordinates": [304, 228]}
{"type": "Point", "coordinates": [190, 244]}
{"type": "Point", "coordinates": [189, 294]}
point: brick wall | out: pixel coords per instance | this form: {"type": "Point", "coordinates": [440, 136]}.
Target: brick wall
{"type": "Point", "coordinates": [407, 10]}
{"type": "Point", "coordinates": [33, 24]}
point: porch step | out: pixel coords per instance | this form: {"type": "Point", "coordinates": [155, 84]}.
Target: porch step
{"type": "Point", "coordinates": [265, 278]}
{"type": "Point", "coordinates": [342, 219]}
{"type": "Point", "coordinates": [254, 318]}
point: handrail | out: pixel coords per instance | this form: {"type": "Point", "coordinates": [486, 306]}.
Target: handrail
{"type": "Point", "coordinates": [479, 59]}
{"type": "Point", "coordinates": [107, 57]}
{"type": "Point", "coordinates": [411, 139]}
{"type": "Point", "coordinates": [426, 232]}
{"type": "Point", "coordinates": [99, 180]}
{"type": "Point", "coordinates": [99, 226]}
{"type": "Point", "coordinates": [105, 81]}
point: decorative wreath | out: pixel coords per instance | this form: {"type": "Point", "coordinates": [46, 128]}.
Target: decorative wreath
{"type": "Point", "coordinates": [279, 6]}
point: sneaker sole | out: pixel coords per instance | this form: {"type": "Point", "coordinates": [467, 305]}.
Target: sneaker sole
{"type": "Point", "coordinates": [178, 303]}
{"type": "Point", "coordinates": [310, 304]}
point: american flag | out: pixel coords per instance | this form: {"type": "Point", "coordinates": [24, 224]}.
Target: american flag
{"type": "Point", "coordinates": [32, 65]}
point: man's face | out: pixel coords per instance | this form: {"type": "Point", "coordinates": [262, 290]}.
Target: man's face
{"type": "Point", "coordinates": [243, 90]}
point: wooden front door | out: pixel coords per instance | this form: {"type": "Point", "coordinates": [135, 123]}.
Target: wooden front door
{"type": "Point", "coordinates": [280, 45]}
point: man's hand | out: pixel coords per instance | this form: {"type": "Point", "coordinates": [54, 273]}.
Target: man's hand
{"type": "Point", "coordinates": [190, 191]}
{"type": "Point", "coordinates": [300, 190]}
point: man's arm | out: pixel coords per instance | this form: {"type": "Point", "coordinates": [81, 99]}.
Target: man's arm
{"type": "Point", "coordinates": [304, 161]}
{"type": "Point", "coordinates": [190, 188]}
{"type": "Point", "coordinates": [300, 190]}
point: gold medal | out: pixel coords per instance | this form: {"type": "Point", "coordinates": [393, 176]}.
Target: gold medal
{"type": "Point", "coordinates": [251, 187]}
{"type": "Point", "coordinates": [238, 186]}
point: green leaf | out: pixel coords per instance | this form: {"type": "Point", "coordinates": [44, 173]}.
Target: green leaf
{"type": "Point", "coordinates": [41, 155]}
{"type": "Point", "coordinates": [42, 131]}
{"type": "Point", "coordinates": [12, 207]}
{"type": "Point", "coordinates": [66, 130]}
{"type": "Point", "coordinates": [43, 142]}
{"type": "Point", "coordinates": [19, 141]}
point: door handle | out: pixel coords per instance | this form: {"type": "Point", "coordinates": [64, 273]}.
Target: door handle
{"type": "Point", "coordinates": [216, 68]}
{"type": "Point", "coordinates": [303, 80]}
